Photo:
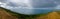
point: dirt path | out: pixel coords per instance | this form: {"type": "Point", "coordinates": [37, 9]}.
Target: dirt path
{"type": "Point", "coordinates": [5, 15]}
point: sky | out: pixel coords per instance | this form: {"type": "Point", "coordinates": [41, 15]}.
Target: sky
{"type": "Point", "coordinates": [27, 6]}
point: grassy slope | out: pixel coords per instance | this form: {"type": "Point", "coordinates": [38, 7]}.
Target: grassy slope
{"type": "Point", "coordinates": [5, 15]}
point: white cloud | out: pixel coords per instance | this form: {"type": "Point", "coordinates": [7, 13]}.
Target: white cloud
{"type": "Point", "coordinates": [19, 10]}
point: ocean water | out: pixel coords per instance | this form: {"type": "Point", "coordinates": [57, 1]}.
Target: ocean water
{"type": "Point", "coordinates": [42, 11]}
{"type": "Point", "coordinates": [32, 11]}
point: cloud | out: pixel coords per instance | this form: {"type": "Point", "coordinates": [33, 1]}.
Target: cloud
{"type": "Point", "coordinates": [12, 6]}
{"type": "Point", "coordinates": [32, 4]}
{"type": "Point", "coordinates": [43, 4]}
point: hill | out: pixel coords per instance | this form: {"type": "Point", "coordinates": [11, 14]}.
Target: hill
{"type": "Point", "coordinates": [53, 15]}
{"type": "Point", "coordinates": [5, 15]}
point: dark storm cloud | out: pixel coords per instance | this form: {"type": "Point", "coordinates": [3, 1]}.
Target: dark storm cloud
{"type": "Point", "coordinates": [43, 3]}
